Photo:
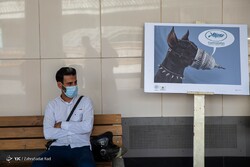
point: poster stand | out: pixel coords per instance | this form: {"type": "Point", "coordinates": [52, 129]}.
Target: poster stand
{"type": "Point", "coordinates": [199, 128]}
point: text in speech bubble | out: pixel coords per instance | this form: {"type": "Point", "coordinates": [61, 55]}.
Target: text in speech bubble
{"type": "Point", "coordinates": [216, 38]}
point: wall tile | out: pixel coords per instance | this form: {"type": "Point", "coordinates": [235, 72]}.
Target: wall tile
{"type": "Point", "coordinates": [192, 11]}
{"type": "Point", "coordinates": [236, 106]}
{"type": "Point", "coordinates": [20, 87]}
{"type": "Point", "coordinates": [213, 105]}
{"type": "Point", "coordinates": [70, 29]}
{"type": "Point", "coordinates": [88, 77]}
{"type": "Point", "coordinates": [183, 105]}
{"type": "Point", "coordinates": [19, 29]}
{"type": "Point", "coordinates": [106, 47]}
{"type": "Point", "coordinates": [122, 89]}
{"type": "Point", "coordinates": [236, 12]}
{"type": "Point", "coordinates": [174, 105]}
{"type": "Point", "coordinates": [122, 25]}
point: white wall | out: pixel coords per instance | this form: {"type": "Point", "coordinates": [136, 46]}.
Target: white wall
{"type": "Point", "coordinates": [103, 39]}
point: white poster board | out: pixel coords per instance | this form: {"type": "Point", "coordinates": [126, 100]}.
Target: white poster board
{"type": "Point", "coordinates": [182, 58]}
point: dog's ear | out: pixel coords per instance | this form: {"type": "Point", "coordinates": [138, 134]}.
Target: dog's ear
{"type": "Point", "coordinates": [172, 39]}
{"type": "Point", "coordinates": [185, 37]}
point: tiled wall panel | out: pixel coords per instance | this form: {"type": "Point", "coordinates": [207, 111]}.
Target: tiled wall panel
{"type": "Point", "coordinates": [122, 87]}
{"type": "Point", "coordinates": [192, 11]}
{"type": "Point", "coordinates": [122, 25]}
{"type": "Point", "coordinates": [69, 28]}
{"type": "Point", "coordinates": [20, 86]}
{"type": "Point", "coordinates": [104, 40]}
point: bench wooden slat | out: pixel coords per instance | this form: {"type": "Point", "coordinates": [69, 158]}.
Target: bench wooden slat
{"type": "Point", "coordinates": [25, 132]}
{"type": "Point", "coordinates": [28, 132]}
{"type": "Point", "coordinates": [21, 121]}
{"type": "Point", "coordinates": [117, 140]}
{"type": "Point", "coordinates": [116, 130]}
{"type": "Point", "coordinates": [34, 144]}
{"type": "Point", "coordinates": [22, 144]}
{"type": "Point", "coordinates": [99, 119]}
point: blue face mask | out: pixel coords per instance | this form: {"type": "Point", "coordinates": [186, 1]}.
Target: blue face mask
{"type": "Point", "coordinates": [71, 91]}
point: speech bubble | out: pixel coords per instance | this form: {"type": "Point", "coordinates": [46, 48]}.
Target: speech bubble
{"type": "Point", "coordinates": [216, 38]}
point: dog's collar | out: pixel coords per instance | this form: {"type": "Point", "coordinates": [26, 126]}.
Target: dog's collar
{"type": "Point", "coordinates": [169, 73]}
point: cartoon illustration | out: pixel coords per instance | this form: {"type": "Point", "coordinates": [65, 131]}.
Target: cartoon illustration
{"type": "Point", "coordinates": [181, 54]}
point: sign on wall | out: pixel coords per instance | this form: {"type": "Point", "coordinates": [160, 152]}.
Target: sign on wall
{"type": "Point", "coordinates": [182, 58]}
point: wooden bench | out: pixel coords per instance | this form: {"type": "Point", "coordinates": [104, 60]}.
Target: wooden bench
{"type": "Point", "coordinates": [26, 133]}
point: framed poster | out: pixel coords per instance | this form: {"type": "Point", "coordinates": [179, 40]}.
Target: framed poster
{"type": "Point", "coordinates": [182, 58]}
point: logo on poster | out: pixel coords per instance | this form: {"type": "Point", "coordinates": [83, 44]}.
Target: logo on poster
{"type": "Point", "coordinates": [217, 35]}
{"type": "Point", "coordinates": [216, 38]}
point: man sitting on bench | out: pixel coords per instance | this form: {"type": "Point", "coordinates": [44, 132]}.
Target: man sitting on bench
{"type": "Point", "coordinates": [69, 128]}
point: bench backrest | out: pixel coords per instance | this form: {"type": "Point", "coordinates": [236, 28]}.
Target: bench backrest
{"type": "Point", "coordinates": [26, 132]}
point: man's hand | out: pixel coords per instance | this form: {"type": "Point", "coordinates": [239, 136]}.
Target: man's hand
{"type": "Point", "coordinates": [58, 125]}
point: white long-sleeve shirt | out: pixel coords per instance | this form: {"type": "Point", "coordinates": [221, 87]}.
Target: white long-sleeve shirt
{"type": "Point", "coordinates": [76, 132]}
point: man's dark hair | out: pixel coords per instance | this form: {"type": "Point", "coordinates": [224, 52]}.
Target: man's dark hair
{"type": "Point", "coordinates": [64, 71]}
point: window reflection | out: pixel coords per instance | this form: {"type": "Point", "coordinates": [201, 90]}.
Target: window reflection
{"type": "Point", "coordinates": [126, 73]}
{"type": "Point", "coordinates": [12, 9]}
{"type": "Point", "coordinates": [81, 43]}
{"type": "Point", "coordinates": [71, 7]}
{"type": "Point", "coordinates": [11, 82]}
{"type": "Point", "coordinates": [121, 6]}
